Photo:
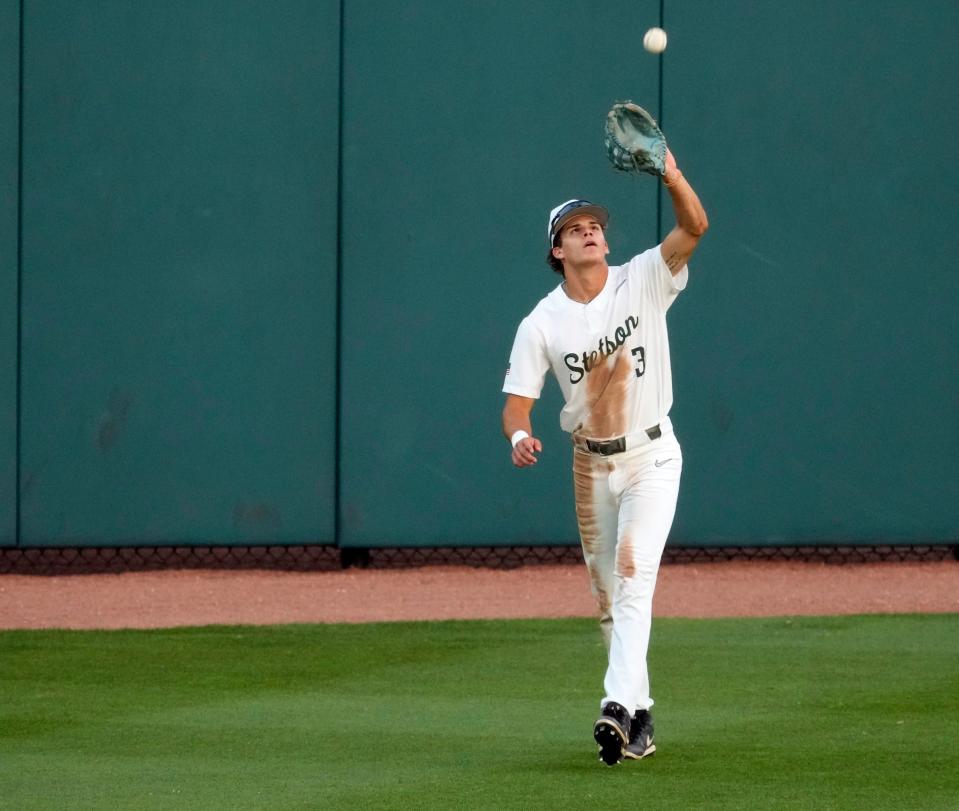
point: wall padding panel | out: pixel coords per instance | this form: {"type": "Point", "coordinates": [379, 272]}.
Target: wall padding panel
{"type": "Point", "coordinates": [9, 192]}
{"type": "Point", "coordinates": [815, 363]}
{"type": "Point", "coordinates": [179, 272]}
{"type": "Point", "coordinates": [463, 127]}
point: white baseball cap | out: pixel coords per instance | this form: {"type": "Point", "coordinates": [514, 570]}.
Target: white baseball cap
{"type": "Point", "coordinates": [560, 215]}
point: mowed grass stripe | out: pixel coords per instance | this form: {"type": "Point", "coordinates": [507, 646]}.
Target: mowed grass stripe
{"type": "Point", "coordinates": [818, 713]}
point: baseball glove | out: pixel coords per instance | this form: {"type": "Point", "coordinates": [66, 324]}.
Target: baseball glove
{"type": "Point", "coordinates": [634, 142]}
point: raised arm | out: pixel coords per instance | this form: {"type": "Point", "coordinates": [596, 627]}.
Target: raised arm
{"type": "Point", "coordinates": [516, 418]}
{"type": "Point", "coordinates": [691, 222]}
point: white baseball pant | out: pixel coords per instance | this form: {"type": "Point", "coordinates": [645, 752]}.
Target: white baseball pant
{"type": "Point", "coordinates": [625, 505]}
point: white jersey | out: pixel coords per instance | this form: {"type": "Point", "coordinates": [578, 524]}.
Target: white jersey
{"type": "Point", "coordinates": [610, 356]}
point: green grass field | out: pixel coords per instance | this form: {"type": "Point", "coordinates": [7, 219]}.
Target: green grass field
{"type": "Point", "coordinates": [852, 712]}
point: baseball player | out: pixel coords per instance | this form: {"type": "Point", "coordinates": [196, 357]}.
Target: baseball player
{"type": "Point", "coordinates": [602, 332]}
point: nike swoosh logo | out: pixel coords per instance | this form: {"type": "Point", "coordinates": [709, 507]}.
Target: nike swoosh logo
{"type": "Point", "coordinates": [660, 464]}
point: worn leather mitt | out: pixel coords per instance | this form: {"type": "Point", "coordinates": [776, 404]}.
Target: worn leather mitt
{"type": "Point", "coordinates": [634, 142]}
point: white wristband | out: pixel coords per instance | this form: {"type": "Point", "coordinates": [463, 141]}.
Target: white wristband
{"type": "Point", "coordinates": [518, 436]}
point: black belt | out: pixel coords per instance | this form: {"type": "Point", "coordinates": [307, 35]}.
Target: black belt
{"type": "Point", "coordinates": [618, 445]}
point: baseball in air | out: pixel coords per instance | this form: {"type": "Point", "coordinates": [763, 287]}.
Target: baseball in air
{"type": "Point", "coordinates": [655, 40]}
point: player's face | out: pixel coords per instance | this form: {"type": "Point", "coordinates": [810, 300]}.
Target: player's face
{"type": "Point", "coordinates": [582, 241]}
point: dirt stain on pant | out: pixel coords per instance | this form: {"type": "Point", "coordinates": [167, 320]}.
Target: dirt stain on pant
{"type": "Point", "coordinates": [625, 562]}
{"type": "Point", "coordinates": [607, 389]}
{"type": "Point", "coordinates": [584, 473]}
{"type": "Point", "coordinates": [586, 470]}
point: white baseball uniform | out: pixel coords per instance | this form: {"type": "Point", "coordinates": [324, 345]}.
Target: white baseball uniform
{"type": "Point", "coordinates": [611, 359]}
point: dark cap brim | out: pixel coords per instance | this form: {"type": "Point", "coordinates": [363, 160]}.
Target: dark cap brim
{"type": "Point", "coordinates": [589, 210]}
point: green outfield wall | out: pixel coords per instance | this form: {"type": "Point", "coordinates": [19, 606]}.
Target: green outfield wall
{"type": "Point", "coordinates": [816, 356]}
{"type": "Point", "coordinates": [179, 230]}
{"type": "Point", "coordinates": [9, 196]}
{"type": "Point", "coordinates": [444, 252]}
{"type": "Point", "coordinates": [263, 263]}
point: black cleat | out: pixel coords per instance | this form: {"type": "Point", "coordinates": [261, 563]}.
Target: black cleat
{"type": "Point", "coordinates": [641, 736]}
{"type": "Point", "coordinates": [611, 732]}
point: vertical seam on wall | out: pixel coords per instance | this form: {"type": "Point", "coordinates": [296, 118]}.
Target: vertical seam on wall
{"type": "Point", "coordinates": [338, 314]}
{"type": "Point", "coordinates": [659, 189]}
{"type": "Point", "coordinates": [18, 408]}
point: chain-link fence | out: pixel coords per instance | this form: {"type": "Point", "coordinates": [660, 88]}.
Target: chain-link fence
{"type": "Point", "coordinates": [92, 560]}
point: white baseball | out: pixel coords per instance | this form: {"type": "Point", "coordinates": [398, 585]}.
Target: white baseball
{"type": "Point", "coordinates": [655, 40]}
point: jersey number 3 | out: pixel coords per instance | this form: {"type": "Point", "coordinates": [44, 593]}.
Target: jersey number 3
{"type": "Point", "coordinates": [640, 354]}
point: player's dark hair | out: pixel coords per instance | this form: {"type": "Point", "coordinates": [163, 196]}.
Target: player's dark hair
{"type": "Point", "coordinates": [555, 263]}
